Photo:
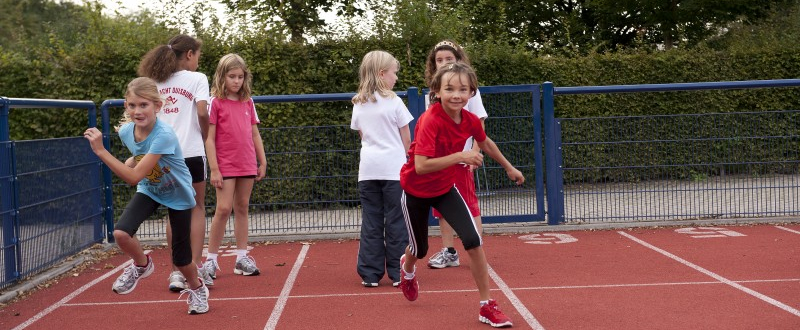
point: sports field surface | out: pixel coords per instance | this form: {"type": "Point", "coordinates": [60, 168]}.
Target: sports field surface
{"type": "Point", "coordinates": [722, 277]}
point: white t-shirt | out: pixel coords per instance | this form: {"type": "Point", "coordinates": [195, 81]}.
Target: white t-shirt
{"type": "Point", "coordinates": [181, 93]}
{"type": "Point", "coordinates": [382, 150]}
{"type": "Point", "coordinates": [474, 105]}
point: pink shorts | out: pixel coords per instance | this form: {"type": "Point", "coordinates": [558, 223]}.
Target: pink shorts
{"type": "Point", "coordinates": [465, 183]}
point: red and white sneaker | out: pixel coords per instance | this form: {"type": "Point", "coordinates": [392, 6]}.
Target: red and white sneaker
{"type": "Point", "coordinates": [410, 287]}
{"type": "Point", "coordinates": [491, 315]}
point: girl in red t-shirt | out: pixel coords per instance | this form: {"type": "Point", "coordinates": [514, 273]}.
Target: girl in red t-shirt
{"type": "Point", "coordinates": [236, 159]}
{"type": "Point", "coordinates": [428, 180]}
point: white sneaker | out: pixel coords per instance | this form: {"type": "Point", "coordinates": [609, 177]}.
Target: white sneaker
{"type": "Point", "coordinates": [177, 282]}
{"type": "Point", "coordinates": [443, 259]}
{"type": "Point", "coordinates": [211, 266]}
{"type": "Point", "coordinates": [246, 266]}
{"type": "Point", "coordinates": [198, 299]}
{"type": "Point", "coordinates": [126, 282]}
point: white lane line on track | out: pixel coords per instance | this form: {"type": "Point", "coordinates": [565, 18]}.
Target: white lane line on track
{"type": "Point", "coordinates": [632, 285]}
{"type": "Point", "coordinates": [287, 288]}
{"type": "Point", "coordinates": [716, 276]}
{"type": "Point", "coordinates": [526, 314]}
{"type": "Point", "coordinates": [72, 295]}
{"type": "Point", "coordinates": [788, 229]}
{"type": "Point", "coordinates": [336, 295]}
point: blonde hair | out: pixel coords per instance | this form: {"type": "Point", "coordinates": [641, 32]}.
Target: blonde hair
{"type": "Point", "coordinates": [430, 62]}
{"type": "Point", "coordinates": [143, 87]}
{"type": "Point", "coordinates": [227, 63]}
{"type": "Point", "coordinates": [457, 69]}
{"type": "Point", "coordinates": [369, 76]}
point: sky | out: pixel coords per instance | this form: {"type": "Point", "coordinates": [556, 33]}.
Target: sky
{"type": "Point", "coordinates": [131, 6]}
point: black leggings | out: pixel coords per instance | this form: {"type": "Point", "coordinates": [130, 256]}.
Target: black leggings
{"type": "Point", "coordinates": [452, 206]}
{"type": "Point", "coordinates": [141, 207]}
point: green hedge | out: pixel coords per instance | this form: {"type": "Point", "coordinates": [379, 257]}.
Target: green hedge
{"type": "Point", "coordinates": [100, 69]}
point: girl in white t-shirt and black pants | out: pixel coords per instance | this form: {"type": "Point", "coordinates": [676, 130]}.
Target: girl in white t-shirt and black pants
{"type": "Point", "coordinates": [381, 119]}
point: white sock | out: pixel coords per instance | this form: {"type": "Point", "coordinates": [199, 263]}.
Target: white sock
{"type": "Point", "coordinates": [240, 254]}
{"type": "Point", "coordinates": [211, 256]}
{"type": "Point", "coordinates": [411, 274]}
{"type": "Point", "coordinates": [484, 302]}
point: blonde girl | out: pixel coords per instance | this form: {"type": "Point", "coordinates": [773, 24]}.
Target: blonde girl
{"type": "Point", "coordinates": [236, 159]}
{"type": "Point", "coordinates": [185, 91]}
{"type": "Point", "coordinates": [381, 119]}
{"type": "Point", "coordinates": [161, 178]}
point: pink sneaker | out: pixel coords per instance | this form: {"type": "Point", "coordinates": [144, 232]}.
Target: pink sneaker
{"type": "Point", "coordinates": [491, 315]}
{"type": "Point", "coordinates": [410, 287]}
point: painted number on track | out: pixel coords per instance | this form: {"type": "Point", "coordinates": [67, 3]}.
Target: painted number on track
{"type": "Point", "coordinates": [548, 238]}
{"type": "Point", "coordinates": [708, 232]}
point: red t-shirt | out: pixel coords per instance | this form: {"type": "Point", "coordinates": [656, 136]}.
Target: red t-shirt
{"type": "Point", "coordinates": [437, 135]}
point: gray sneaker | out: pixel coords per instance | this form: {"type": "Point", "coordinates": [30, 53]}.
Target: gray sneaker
{"type": "Point", "coordinates": [443, 259]}
{"type": "Point", "coordinates": [246, 266]}
{"type": "Point", "coordinates": [211, 266]}
{"type": "Point", "coordinates": [205, 276]}
{"type": "Point", "coordinates": [176, 281]}
{"type": "Point", "coordinates": [126, 282]}
{"type": "Point", "coordinates": [197, 300]}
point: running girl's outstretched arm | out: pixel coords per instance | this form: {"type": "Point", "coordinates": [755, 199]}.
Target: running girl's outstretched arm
{"type": "Point", "coordinates": [260, 156]}
{"type": "Point", "coordinates": [490, 148]}
{"type": "Point", "coordinates": [131, 176]}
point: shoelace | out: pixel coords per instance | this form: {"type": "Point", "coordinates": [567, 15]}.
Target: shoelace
{"type": "Point", "coordinates": [249, 262]}
{"type": "Point", "coordinates": [130, 271]}
{"type": "Point", "coordinates": [194, 297]}
{"type": "Point", "coordinates": [214, 264]}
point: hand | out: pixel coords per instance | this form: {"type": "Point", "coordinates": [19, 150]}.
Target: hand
{"type": "Point", "coordinates": [472, 158]}
{"type": "Point", "coordinates": [95, 138]}
{"type": "Point", "coordinates": [131, 162]}
{"type": "Point", "coordinates": [262, 172]}
{"type": "Point", "coordinates": [216, 179]}
{"type": "Point", "coordinates": [516, 176]}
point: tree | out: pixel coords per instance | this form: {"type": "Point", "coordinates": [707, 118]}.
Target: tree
{"type": "Point", "coordinates": [581, 26]}
{"type": "Point", "coordinates": [298, 16]}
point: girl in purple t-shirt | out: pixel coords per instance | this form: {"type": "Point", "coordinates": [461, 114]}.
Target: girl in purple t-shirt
{"type": "Point", "coordinates": [236, 159]}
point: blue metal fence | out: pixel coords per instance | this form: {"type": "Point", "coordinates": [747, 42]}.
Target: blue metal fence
{"type": "Point", "coordinates": [51, 195]}
{"type": "Point", "coordinates": [311, 184]}
{"type": "Point", "coordinates": [672, 167]}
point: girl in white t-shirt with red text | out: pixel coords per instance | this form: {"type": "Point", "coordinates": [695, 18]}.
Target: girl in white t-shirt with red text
{"type": "Point", "coordinates": [236, 159]}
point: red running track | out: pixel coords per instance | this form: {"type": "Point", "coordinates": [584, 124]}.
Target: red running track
{"type": "Point", "coordinates": [726, 277]}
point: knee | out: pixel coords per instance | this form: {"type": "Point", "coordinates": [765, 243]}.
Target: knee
{"type": "Point", "coordinates": [223, 210]}
{"type": "Point", "coordinates": [121, 236]}
{"type": "Point", "coordinates": [471, 242]}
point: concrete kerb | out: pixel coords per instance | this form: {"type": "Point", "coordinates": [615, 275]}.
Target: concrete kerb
{"type": "Point", "coordinates": [507, 228]}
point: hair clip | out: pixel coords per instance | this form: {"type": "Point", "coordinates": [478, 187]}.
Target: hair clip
{"type": "Point", "coordinates": [170, 46]}
{"type": "Point", "coordinates": [446, 43]}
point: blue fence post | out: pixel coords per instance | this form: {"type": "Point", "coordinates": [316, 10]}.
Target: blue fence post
{"type": "Point", "coordinates": [413, 108]}
{"type": "Point", "coordinates": [552, 158]}
{"type": "Point", "coordinates": [8, 197]}
{"type": "Point", "coordinates": [107, 178]}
